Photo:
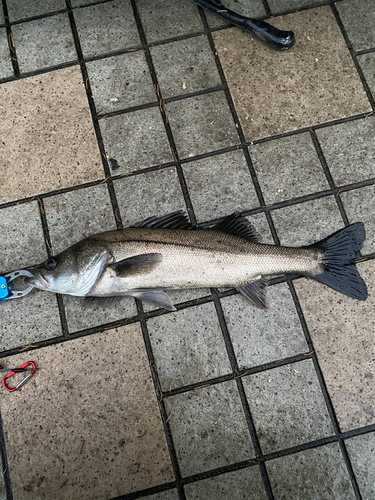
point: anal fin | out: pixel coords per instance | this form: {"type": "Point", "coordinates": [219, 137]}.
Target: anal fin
{"type": "Point", "coordinates": [154, 296]}
{"type": "Point", "coordinates": [255, 292]}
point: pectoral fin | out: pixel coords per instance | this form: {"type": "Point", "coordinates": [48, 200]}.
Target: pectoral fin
{"type": "Point", "coordinates": [154, 296]}
{"type": "Point", "coordinates": [138, 264]}
{"type": "Point", "coordinates": [255, 292]}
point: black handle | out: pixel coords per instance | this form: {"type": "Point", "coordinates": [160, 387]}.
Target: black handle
{"type": "Point", "coordinates": [273, 37]}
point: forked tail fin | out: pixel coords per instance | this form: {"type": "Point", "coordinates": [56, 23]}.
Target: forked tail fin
{"type": "Point", "coordinates": [339, 254]}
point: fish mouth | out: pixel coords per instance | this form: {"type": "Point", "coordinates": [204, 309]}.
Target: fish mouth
{"type": "Point", "coordinates": [38, 280]}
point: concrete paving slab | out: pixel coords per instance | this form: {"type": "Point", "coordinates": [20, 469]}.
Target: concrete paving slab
{"type": "Point", "coordinates": [163, 19]}
{"type": "Point", "coordinates": [201, 124]}
{"type": "Point", "coordinates": [73, 216]}
{"type": "Point", "coordinates": [281, 6]}
{"type": "Point", "coordinates": [316, 473]}
{"type": "Point", "coordinates": [54, 140]}
{"type": "Point", "coordinates": [349, 150]}
{"type": "Point", "coordinates": [287, 406]}
{"type": "Point", "coordinates": [361, 451]}
{"type": "Point", "coordinates": [366, 61]}
{"type": "Point", "coordinates": [237, 485]}
{"type": "Point", "coordinates": [249, 8]}
{"type": "Point", "coordinates": [22, 241]}
{"type": "Point", "coordinates": [185, 66]}
{"type": "Point", "coordinates": [359, 22]}
{"type": "Point", "coordinates": [208, 428]}
{"type": "Point", "coordinates": [359, 207]}
{"type": "Point", "coordinates": [288, 168]}
{"type": "Point", "coordinates": [44, 42]}
{"type": "Point", "coordinates": [106, 27]}
{"type": "Point", "coordinates": [341, 329]}
{"type": "Point", "coordinates": [164, 495]}
{"type": "Point", "coordinates": [152, 193]}
{"type": "Point", "coordinates": [276, 92]}
{"type": "Point", "coordinates": [3, 493]}
{"type": "Point", "coordinates": [120, 82]}
{"type": "Point", "coordinates": [88, 409]}
{"type": "Point", "coordinates": [135, 140]}
{"type": "Point", "coordinates": [220, 185]}
{"type": "Point", "coordinates": [23, 8]}
{"type": "Point", "coordinates": [262, 336]}
{"type": "Point", "coordinates": [308, 222]}
{"type": "Point", "coordinates": [188, 346]}
{"type": "Point", "coordinates": [6, 68]}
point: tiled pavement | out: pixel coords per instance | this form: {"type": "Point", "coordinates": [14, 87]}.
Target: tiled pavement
{"type": "Point", "coordinates": [112, 111]}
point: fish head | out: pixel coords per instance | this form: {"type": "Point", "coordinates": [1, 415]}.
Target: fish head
{"type": "Point", "coordinates": [74, 271]}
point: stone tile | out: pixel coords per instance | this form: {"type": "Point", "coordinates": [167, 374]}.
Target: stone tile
{"type": "Point", "coordinates": [22, 241]}
{"type": "Point", "coordinates": [308, 85]}
{"type": "Point", "coordinates": [288, 168]}
{"type": "Point", "coordinates": [349, 150]}
{"type": "Point", "coordinates": [152, 193]}
{"type": "Point", "coordinates": [237, 485]}
{"type": "Point", "coordinates": [208, 428]}
{"type": "Point", "coordinates": [164, 19]}
{"type": "Point", "coordinates": [185, 66]}
{"type": "Point", "coordinates": [201, 124]}
{"type": "Point", "coordinates": [28, 320]}
{"type": "Point", "coordinates": [315, 473]}
{"type": "Point", "coordinates": [164, 495]}
{"type": "Point", "coordinates": [24, 8]}
{"type": "Point", "coordinates": [44, 42]}
{"type": "Point", "coordinates": [342, 332]}
{"type": "Point", "coordinates": [261, 336]}
{"type": "Point", "coordinates": [287, 406]}
{"type": "Point", "coordinates": [359, 22]}
{"type": "Point", "coordinates": [249, 8]}
{"type": "Point", "coordinates": [95, 412]}
{"type": "Point", "coordinates": [52, 135]}
{"type": "Point", "coordinates": [367, 61]}
{"type": "Point", "coordinates": [6, 68]}
{"type": "Point", "coordinates": [106, 27]}
{"type": "Point", "coordinates": [3, 493]}
{"type": "Point", "coordinates": [77, 214]}
{"type": "Point", "coordinates": [188, 346]}
{"type": "Point", "coordinates": [308, 222]}
{"type": "Point", "coordinates": [120, 82]}
{"type": "Point", "coordinates": [361, 451]}
{"type": "Point", "coordinates": [220, 185]}
{"type": "Point", "coordinates": [135, 140]}
{"type": "Point", "coordinates": [281, 6]}
{"type": "Point", "coordinates": [359, 207]}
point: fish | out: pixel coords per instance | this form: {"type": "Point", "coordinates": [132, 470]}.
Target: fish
{"type": "Point", "coordinates": [168, 253]}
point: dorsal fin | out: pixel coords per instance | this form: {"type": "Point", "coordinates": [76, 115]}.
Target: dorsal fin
{"type": "Point", "coordinates": [239, 226]}
{"type": "Point", "coordinates": [175, 220]}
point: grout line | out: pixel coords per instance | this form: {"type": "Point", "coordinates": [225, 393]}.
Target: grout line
{"type": "Point", "coordinates": [11, 44]}
{"type": "Point", "coordinates": [5, 464]}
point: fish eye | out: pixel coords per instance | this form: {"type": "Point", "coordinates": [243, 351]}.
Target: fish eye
{"type": "Point", "coordinates": [50, 264]}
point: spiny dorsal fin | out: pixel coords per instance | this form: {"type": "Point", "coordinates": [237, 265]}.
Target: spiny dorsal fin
{"type": "Point", "coordinates": [175, 220]}
{"type": "Point", "coordinates": [255, 292]}
{"type": "Point", "coordinates": [138, 264]}
{"type": "Point", "coordinates": [239, 226]}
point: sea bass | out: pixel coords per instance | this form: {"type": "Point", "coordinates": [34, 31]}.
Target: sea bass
{"type": "Point", "coordinates": [168, 253]}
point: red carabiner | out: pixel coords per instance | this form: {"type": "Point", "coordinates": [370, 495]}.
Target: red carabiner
{"type": "Point", "coordinates": [10, 374]}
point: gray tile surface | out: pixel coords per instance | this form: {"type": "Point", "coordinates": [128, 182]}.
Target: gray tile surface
{"type": "Point", "coordinates": [202, 124]}
{"type": "Point", "coordinates": [75, 215]}
{"type": "Point", "coordinates": [359, 22]}
{"type": "Point", "coordinates": [22, 242]}
{"type": "Point", "coordinates": [349, 150]}
{"type": "Point", "coordinates": [288, 168]}
{"type": "Point", "coordinates": [6, 68]}
{"type": "Point", "coordinates": [44, 42]}
{"type": "Point", "coordinates": [301, 414]}
{"type": "Point", "coordinates": [261, 336]}
{"type": "Point", "coordinates": [308, 222]}
{"type": "Point", "coordinates": [367, 62]}
{"type": "Point", "coordinates": [361, 451]}
{"type": "Point", "coordinates": [248, 8]}
{"type": "Point", "coordinates": [135, 140]}
{"type": "Point", "coordinates": [106, 27]}
{"type": "Point", "coordinates": [152, 193]}
{"type": "Point", "coordinates": [163, 19]}
{"type": "Point", "coordinates": [318, 473]}
{"type": "Point", "coordinates": [209, 428]}
{"type": "Point", "coordinates": [3, 494]}
{"type": "Point", "coordinates": [120, 82]}
{"type": "Point", "coordinates": [24, 8]}
{"type": "Point", "coordinates": [358, 204]}
{"type": "Point", "coordinates": [185, 66]}
{"type": "Point", "coordinates": [188, 346]}
{"type": "Point", "coordinates": [220, 185]}
{"type": "Point", "coordinates": [164, 495]}
{"type": "Point", "coordinates": [280, 6]}
{"type": "Point", "coordinates": [237, 485]}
